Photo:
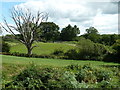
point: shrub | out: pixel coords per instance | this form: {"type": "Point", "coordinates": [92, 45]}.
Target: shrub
{"type": "Point", "coordinates": [116, 46]}
{"type": "Point", "coordinates": [73, 67]}
{"type": "Point", "coordinates": [72, 54]}
{"type": "Point", "coordinates": [5, 47]}
{"type": "Point", "coordinates": [86, 74]}
{"type": "Point", "coordinates": [103, 75]}
{"type": "Point", "coordinates": [115, 55]}
{"type": "Point", "coordinates": [89, 50]}
{"type": "Point", "coordinates": [58, 52]}
{"type": "Point", "coordinates": [107, 84]}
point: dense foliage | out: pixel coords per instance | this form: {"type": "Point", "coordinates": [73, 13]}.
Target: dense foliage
{"type": "Point", "coordinates": [72, 76]}
{"type": "Point", "coordinates": [49, 32]}
{"type": "Point", "coordinates": [69, 33]}
{"type": "Point", "coordinates": [4, 47]}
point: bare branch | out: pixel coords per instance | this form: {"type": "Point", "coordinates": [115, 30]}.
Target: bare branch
{"type": "Point", "coordinates": [26, 24]}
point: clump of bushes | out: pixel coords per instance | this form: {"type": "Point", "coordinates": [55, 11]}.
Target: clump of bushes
{"type": "Point", "coordinates": [87, 50]}
{"type": "Point", "coordinates": [115, 55]}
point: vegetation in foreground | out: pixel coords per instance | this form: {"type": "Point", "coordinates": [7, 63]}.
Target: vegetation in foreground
{"type": "Point", "coordinates": [50, 73]}
{"type": "Point", "coordinates": [72, 76]}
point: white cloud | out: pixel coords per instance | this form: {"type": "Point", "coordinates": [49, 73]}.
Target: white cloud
{"type": "Point", "coordinates": [106, 23]}
{"type": "Point", "coordinates": [101, 15]}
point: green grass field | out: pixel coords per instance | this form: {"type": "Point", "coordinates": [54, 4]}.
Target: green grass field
{"type": "Point", "coordinates": [49, 62]}
{"type": "Point", "coordinates": [42, 48]}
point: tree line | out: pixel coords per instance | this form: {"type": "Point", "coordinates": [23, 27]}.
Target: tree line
{"type": "Point", "coordinates": [49, 31]}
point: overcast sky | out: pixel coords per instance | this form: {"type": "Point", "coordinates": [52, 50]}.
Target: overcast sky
{"type": "Point", "coordinates": [83, 13]}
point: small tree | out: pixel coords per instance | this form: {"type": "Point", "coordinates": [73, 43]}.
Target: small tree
{"type": "Point", "coordinates": [69, 33]}
{"type": "Point", "coordinates": [26, 24]}
{"type": "Point", "coordinates": [92, 34]}
{"type": "Point", "coordinates": [50, 31]}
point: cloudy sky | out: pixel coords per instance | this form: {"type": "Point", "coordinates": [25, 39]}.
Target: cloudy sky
{"type": "Point", "coordinates": [83, 13]}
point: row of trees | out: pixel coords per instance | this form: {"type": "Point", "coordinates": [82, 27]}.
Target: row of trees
{"type": "Point", "coordinates": [106, 39]}
{"type": "Point", "coordinates": [49, 31]}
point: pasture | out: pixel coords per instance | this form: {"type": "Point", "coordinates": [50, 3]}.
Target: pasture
{"type": "Point", "coordinates": [49, 62]}
{"type": "Point", "coordinates": [42, 48]}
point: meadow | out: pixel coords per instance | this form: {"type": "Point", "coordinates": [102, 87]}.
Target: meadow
{"type": "Point", "coordinates": [42, 48]}
{"type": "Point", "coordinates": [49, 62]}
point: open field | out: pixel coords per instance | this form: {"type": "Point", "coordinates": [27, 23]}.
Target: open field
{"type": "Point", "coordinates": [42, 48]}
{"type": "Point", "coordinates": [49, 62]}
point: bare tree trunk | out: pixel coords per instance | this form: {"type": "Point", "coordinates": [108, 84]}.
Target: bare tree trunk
{"type": "Point", "coordinates": [29, 49]}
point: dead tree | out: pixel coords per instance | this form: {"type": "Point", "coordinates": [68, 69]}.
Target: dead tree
{"type": "Point", "coordinates": [26, 24]}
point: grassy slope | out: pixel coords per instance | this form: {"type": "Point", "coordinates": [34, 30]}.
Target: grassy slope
{"type": "Point", "coordinates": [49, 62]}
{"type": "Point", "coordinates": [43, 48]}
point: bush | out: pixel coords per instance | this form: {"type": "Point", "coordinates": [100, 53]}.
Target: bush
{"type": "Point", "coordinates": [5, 47]}
{"type": "Point", "coordinates": [73, 67]}
{"type": "Point", "coordinates": [86, 74]}
{"type": "Point", "coordinates": [115, 55]}
{"type": "Point", "coordinates": [72, 54]}
{"type": "Point", "coordinates": [87, 50]}
{"type": "Point", "coordinates": [103, 75]}
{"type": "Point", "coordinates": [91, 51]}
{"type": "Point", "coordinates": [58, 52]}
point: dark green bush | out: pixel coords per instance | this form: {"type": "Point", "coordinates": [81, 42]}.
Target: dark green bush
{"type": "Point", "coordinates": [86, 74]}
{"type": "Point", "coordinates": [58, 52]}
{"type": "Point", "coordinates": [103, 75]}
{"type": "Point", "coordinates": [91, 51]}
{"type": "Point", "coordinates": [73, 67]}
{"type": "Point", "coordinates": [5, 47]}
{"type": "Point", "coordinates": [72, 54]}
{"type": "Point", "coordinates": [108, 84]}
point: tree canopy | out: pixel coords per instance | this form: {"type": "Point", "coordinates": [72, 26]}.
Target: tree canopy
{"type": "Point", "coordinates": [49, 31]}
{"type": "Point", "coordinates": [69, 33]}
